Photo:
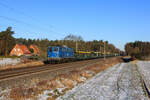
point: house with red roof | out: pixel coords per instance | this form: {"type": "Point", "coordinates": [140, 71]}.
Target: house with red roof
{"type": "Point", "coordinates": [19, 50]}
{"type": "Point", "coordinates": [36, 50]}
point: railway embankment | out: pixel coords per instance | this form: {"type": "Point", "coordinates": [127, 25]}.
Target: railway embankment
{"type": "Point", "coordinates": [52, 83]}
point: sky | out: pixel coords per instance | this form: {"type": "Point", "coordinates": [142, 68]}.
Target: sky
{"type": "Point", "coordinates": [117, 21]}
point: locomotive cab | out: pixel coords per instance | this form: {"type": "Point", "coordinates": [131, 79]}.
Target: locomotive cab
{"type": "Point", "coordinates": [56, 52]}
{"type": "Point", "coordinates": [53, 52]}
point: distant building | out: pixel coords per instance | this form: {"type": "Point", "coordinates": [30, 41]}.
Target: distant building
{"type": "Point", "coordinates": [36, 50]}
{"type": "Point", "coordinates": [19, 50]}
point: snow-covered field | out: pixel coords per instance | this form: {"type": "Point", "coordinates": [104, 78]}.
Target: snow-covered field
{"type": "Point", "coordinates": [9, 61]}
{"type": "Point", "coordinates": [120, 82]}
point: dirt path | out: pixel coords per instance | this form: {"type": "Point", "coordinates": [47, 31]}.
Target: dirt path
{"type": "Point", "coordinates": [121, 82]}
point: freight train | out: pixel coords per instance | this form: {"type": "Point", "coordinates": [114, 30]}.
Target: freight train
{"type": "Point", "coordinates": [59, 54]}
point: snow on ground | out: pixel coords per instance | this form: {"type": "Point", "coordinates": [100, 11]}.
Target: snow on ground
{"type": "Point", "coordinates": [97, 88]}
{"type": "Point", "coordinates": [4, 94]}
{"type": "Point", "coordinates": [121, 82]}
{"type": "Point", "coordinates": [9, 61]}
{"type": "Point", "coordinates": [50, 93]}
{"type": "Point", "coordinates": [144, 68]}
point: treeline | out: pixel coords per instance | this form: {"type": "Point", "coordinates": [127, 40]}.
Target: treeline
{"type": "Point", "coordinates": [138, 49]}
{"type": "Point", "coordinates": [7, 42]}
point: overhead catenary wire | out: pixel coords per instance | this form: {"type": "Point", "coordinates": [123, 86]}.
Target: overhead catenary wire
{"type": "Point", "coordinates": [22, 33]}
{"type": "Point", "coordinates": [15, 20]}
{"type": "Point", "coordinates": [20, 12]}
{"type": "Point", "coordinates": [25, 23]}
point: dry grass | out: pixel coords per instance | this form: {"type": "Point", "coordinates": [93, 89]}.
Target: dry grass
{"type": "Point", "coordinates": [19, 93]}
{"type": "Point", "coordinates": [54, 84]}
{"type": "Point", "coordinates": [51, 98]}
{"type": "Point", "coordinates": [86, 74]}
{"type": "Point", "coordinates": [43, 85]}
{"type": "Point", "coordinates": [75, 76]}
{"type": "Point", "coordinates": [67, 83]}
{"type": "Point", "coordinates": [97, 68]}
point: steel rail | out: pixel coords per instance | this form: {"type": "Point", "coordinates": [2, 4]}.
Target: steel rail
{"type": "Point", "coordinates": [28, 70]}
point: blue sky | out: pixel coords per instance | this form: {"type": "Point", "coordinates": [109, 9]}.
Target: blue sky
{"type": "Point", "coordinates": [118, 21]}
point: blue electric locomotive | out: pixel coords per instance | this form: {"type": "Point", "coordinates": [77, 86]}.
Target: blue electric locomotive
{"type": "Point", "coordinates": [57, 52]}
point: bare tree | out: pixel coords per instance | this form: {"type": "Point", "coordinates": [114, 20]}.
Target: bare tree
{"type": "Point", "coordinates": [73, 38]}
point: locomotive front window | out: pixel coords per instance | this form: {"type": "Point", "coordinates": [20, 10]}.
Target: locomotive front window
{"type": "Point", "coordinates": [50, 49]}
{"type": "Point", "coordinates": [55, 49]}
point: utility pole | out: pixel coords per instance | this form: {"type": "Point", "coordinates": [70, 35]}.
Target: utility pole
{"type": "Point", "coordinates": [76, 45]}
{"type": "Point", "coordinates": [104, 51]}
{"type": "Point", "coordinates": [101, 50]}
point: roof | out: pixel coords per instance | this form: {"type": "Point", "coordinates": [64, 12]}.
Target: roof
{"type": "Point", "coordinates": [35, 48]}
{"type": "Point", "coordinates": [59, 47]}
{"type": "Point", "coordinates": [24, 49]}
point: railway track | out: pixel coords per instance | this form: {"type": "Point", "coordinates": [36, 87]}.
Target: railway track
{"type": "Point", "coordinates": [131, 83]}
{"type": "Point", "coordinates": [10, 74]}
{"type": "Point", "coordinates": [145, 86]}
